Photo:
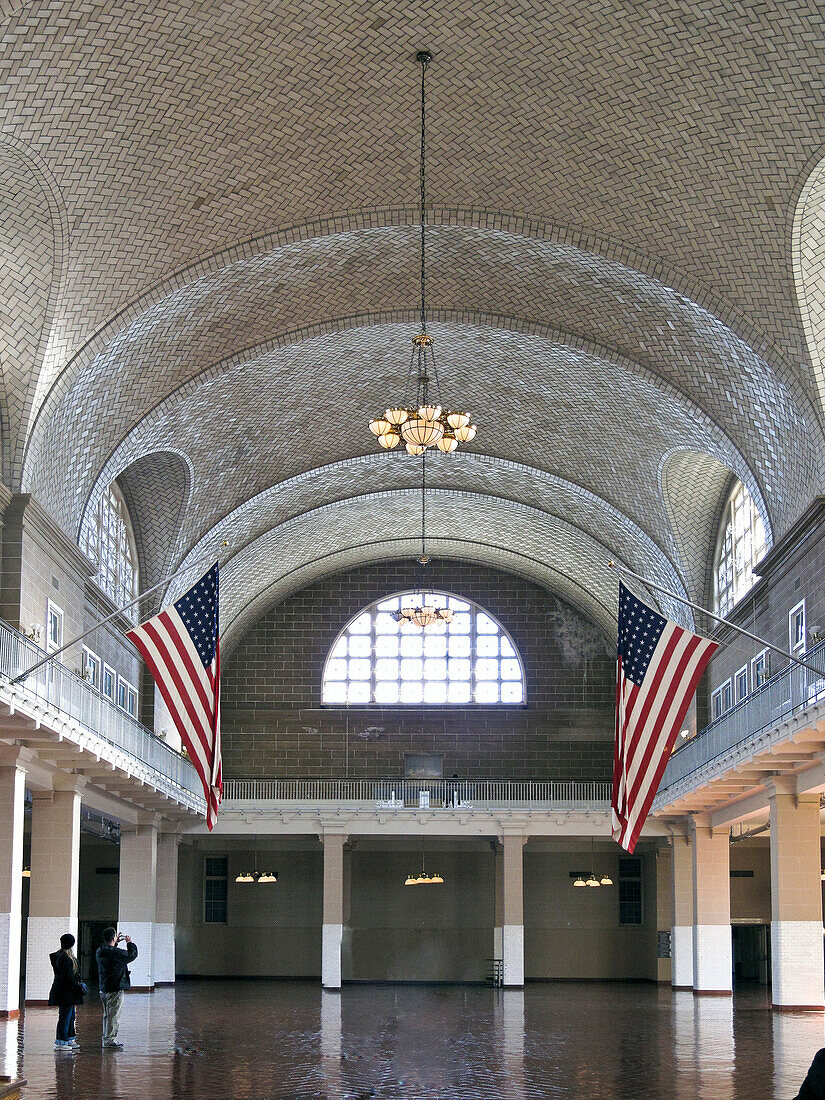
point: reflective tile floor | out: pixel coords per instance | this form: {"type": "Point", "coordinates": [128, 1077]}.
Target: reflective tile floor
{"type": "Point", "coordinates": [290, 1041]}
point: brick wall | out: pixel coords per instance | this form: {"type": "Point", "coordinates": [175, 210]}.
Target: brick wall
{"type": "Point", "coordinates": [273, 723]}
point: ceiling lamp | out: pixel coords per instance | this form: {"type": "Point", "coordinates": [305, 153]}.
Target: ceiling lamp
{"type": "Point", "coordinates": [606, 880]}
{"type": "Point", "coordinates": [27, 872]}
{"type": "Point", "coordinates": [424, 879]}
{"type": "Point", "coordinates": [425, 612]}
{"type": "Point", "coordinates": [579, 881]}
{"type": "Point", "coordinates": [256, 875]}
{"type": "Point", "coordinates": [424, 423]}
{"type": "Point", "coordinates": [593, 880]}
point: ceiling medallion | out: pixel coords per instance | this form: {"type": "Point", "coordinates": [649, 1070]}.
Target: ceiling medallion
{"type": "Point", "coordinates": [425, 423]}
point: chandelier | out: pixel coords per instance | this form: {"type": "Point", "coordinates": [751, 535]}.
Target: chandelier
{"type": "Point", "coordinates": [592, 880]}
{"type": "Point", "coordinates": [425, 613]}
{"type": "Point", "coordinates": [424, 879]}
{"type": "Point", "coordinates": [425, 423]}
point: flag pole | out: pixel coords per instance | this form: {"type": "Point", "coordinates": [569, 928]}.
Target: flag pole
{"type": "Point", "coordinates": [56, 653]}
{"type": "Point", "coordinates": [719, 618]}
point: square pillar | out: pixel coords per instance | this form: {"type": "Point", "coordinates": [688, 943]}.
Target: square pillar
{"type": "Point", "coordinates": [513, 928]}
{"type": "Point", "coordinates": [138, 898]}
{"type": "Point", "coordinates": [332, 933]}
{"type": "Point", "coordinates": [797, 973]}
{"type": "Point", "coordinates": [55, 867]}
{"type": "Point", "coordinates": [712, 943]}
{"type": "Point", "coordinates": [12, 801]}
{"type": "Point", "coordinates": [681, 938]}
{"type": "Point", "coordinates": [166, 910]}
{"type": "Point", "coordinates": [498, 919]}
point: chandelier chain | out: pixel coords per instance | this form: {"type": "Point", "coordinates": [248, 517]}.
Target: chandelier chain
{"type": "Point", "coordinates": [422, 178]}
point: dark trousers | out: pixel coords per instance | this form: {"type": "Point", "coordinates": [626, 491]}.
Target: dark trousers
{"type": "Point", "coordinates": [65, 1022]}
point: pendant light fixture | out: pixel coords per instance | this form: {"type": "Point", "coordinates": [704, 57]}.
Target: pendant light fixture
{"type": "Point", "coordinates": [425, 423]}
{"type": "Point", "coordinates": [256, 875]}
{"type": "Point", "coordinates": [424, 879]}
{"type": "Point", "coordinates": [592, 879]}
{"type": "Point", "coordinates": [425, 613]}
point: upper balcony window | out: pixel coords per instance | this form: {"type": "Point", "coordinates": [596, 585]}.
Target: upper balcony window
{"type": "Point", "coordinates": [469, 661]}
{"type": "Point", "coordinates": [741, 545]}
{"type": "Point", "coordinates": [108, 539]}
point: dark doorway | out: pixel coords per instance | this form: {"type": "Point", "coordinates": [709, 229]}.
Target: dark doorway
{"type": "Point", "coordinates": [752, 953]}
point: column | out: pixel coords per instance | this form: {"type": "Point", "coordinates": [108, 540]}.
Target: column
{"type": "Point", "coordinates": [681, 939]}
{"type": "Point", "coordinates": [513, 928]}
{"type": "Point", "coordinates": [138, 897]}
{"type": "Point", "coordinates": [664, 914]}
{"type": "Point", "coordinates": [712, 947]}
{"type": "Point", "coordinates": [12, 800]}
{"type": "Point", "coordinates": [796, 897]}
{"type": "Point", "coordinates": [498, 919]}
{"type": "Point", "coordinates": [55, 867]}
{"type": "Point", "coordinates": [332, 933]}
{"type": "Point", "coordinates": [166, 910]}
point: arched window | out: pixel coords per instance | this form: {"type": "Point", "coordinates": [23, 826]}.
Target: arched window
{"type": "Point", "coordinates": [470, 660]}
{"type": "Point", "coordinates": [108, 539]}
{"type": "Point", "coordinates": [741, 545]}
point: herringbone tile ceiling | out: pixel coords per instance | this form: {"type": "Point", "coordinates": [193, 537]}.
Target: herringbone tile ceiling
{"type": "Point", "coordinates": [208, 224]}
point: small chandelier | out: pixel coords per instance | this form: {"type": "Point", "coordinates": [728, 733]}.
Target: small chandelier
{"type": "Point", "coordinates": [592, 880]}
{"type": "Point", "coordinates": [425, 613]}
{"type": "Point", "coordinates": [256, 875]}
{"type": "Point", "coordinates": [424, 423]}
{"type": "Point", "coordinates": [424, 879]}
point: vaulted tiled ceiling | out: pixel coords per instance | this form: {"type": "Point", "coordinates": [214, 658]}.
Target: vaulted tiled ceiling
{"type": "Point", "coordinates": [208, 218]}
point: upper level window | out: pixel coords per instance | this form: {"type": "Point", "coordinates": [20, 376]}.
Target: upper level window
{"type": "Point", "coordinates": [741, 545]}
{"type": "Point", "coordinates": [470, 660]}
{"type": "Point", "coordinates": [107, 538]}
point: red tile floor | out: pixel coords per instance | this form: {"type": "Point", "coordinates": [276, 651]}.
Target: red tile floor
{"type": "Point", "coordinates": [289, 1041]}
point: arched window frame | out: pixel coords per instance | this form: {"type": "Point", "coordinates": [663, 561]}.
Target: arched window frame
{"type": "Point", "coordinates": [741, 543]}
{"type": "Point", "coordinates": [372, 654]}
{"type": "Point", "coordinates": [109, 540]}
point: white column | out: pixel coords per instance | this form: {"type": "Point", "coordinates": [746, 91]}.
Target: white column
{"type": "Point", "coordinates": [498, 918]}
{"type": "Point", "coordinates": [712, 944]}
{"type": "Point", "coordinates": [55, 867]}
{"type": "Point", "coordinates": [138, 897]}
{"type": "Point", "coordinates": [513, 929]}
{"type": "Point", "coordinates": [166, 910]}
{"type": "Point", "coordinates": [332, 933]}
{"type": "Point", "coordinates": [681, 938]}
{"type": "Point", "coordinates": [797, 971]}
{"type": "Point", "coordinates": [12, 801]}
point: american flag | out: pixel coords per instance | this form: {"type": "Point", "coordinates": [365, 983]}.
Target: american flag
{"type": "Point", "coordinates": [658, 668]}
{"type": "Point", "coordinates": [182, 649]}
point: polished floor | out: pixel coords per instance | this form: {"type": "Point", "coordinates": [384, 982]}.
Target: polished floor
{"type": "Point", "coordinates": [290, 1041]}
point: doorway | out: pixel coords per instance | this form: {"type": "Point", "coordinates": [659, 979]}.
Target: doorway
{"type": "Point", "coordinates": [752, 953]}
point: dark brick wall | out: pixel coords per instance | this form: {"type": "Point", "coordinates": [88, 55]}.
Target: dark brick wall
{"type": "Point", "coordinates": [273, 724]}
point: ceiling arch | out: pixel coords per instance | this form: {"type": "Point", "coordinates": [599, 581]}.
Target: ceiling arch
{"type": "Point", "coordinates": [809, 266]}
{"type": "Point", "coordinates": [553, 552]}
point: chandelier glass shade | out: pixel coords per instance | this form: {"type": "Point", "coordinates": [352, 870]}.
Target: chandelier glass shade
{"type": "Point", "coordinates": [424, 423]}
{"type": "Point", "coordinates": [424, 879]}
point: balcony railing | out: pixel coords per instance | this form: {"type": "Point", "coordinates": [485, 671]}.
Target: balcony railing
{"type": "Point", "coordinates": [56, 686]}
{"type": "Point", "coordinates": [427, 793]}
{"type": "Point", "coordinates": [791, 691]}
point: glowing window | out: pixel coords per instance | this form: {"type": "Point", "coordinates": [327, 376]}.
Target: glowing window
{"type": "Point", "coordinates": [107, 538]}
{"type": "Point", "coordinates": [741, 545]}
{"type": "Point", "coordinates": [468, 661]}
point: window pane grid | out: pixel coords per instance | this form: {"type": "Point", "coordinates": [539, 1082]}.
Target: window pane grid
{"type": "Point", "coordinates": [469, 661]}
{"type": "Point", "coordinates": [741, 546]}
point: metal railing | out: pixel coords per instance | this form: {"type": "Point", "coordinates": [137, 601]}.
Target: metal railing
{"type": "Point", "coordinates": [424, 793]}
{"type": "Point", "coordinates": [59, 688]}
{"type": "Point", "coordinates": [791, 691]}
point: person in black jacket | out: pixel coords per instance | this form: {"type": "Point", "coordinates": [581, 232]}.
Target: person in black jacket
{"type": "Point", "coordinates": [66, 992]}
{"type": "Point", "coordinates": [113, 977]}
{"type": "Point", "coordinates": [813, 1087]}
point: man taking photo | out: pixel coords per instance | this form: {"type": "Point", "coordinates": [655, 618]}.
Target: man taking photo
{"type": "Point", "coordinates": [113, 978]}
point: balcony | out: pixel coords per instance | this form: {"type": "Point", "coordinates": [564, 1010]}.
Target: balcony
{"type": "Point", "coordinates": [423, 794]}
{"type": "Point", "coordinates": [66, 710]}
{"type": "Point", "coordinates": [788, 702]}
